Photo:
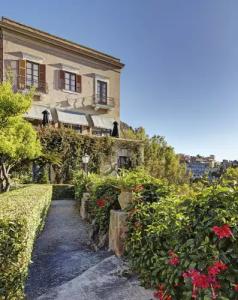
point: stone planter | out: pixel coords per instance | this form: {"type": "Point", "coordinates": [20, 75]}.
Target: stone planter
{"type": "Point", "coordinates": [125, 198]}
{"type": "Point", "coordinates": [117, 231]}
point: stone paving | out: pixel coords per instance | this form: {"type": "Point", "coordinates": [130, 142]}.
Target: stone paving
{"type": "Point", "coordinates": [65, 266]}
{"type": "Point", "coordinates": [62, 250]}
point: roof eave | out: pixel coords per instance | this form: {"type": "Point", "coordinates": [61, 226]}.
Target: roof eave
{"type": "Point", "coordinates": [61, 43]}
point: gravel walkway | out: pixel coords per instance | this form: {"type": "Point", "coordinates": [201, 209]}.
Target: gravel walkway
{"type": "Point", "coordinates": [62, 251]}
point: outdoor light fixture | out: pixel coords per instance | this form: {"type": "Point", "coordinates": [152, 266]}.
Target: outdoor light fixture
{"type": "Point", "coordinates": [85, 160]}
{"type": "Point", "coordinates": [45, 120]}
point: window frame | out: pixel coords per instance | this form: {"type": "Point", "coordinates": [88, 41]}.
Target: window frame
{"type": "Point", "coordinates": [32, 81]}
{"type": "Point", "coordinates": [124, 162]}
{"type": "Point", "coordinates": [100, 98]}
{"type": "Point", "coordinates": [101, 131]}
{"type": "Point", "coordinates": [69, 84]}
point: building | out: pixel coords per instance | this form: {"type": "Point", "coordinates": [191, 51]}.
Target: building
{"type": "Point", "coordinates": [198, 165]}
{"type": "Point", "coordinates": [225, 164]}
{"type": "Point", "coordinates": [76, 86]}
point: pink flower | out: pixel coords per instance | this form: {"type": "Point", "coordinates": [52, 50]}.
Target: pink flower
{"type": "Point", "coordinates": [223, 231]}
{"type": "Point", "coordinates": [236, 287]}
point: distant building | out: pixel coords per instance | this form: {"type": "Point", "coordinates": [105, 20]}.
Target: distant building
{"type": "Point", "coordinates": [198, 165]}
{"type": "Point", "coordinates": [225, 164]}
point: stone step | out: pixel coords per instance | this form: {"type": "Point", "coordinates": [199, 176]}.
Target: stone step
{"type": "Point", "coordinates": [104, 281]}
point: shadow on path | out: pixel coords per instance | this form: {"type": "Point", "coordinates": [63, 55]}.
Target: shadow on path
{"type": "Point", "coordinates": [62, 250]}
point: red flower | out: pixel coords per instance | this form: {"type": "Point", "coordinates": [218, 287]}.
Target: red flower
{"type": "Point", "coordinates": [236, 287]}
{"type": "Point", "coordinates": [201, 281]}
{"type": "Point", "coordinates": [158, 294]}
{"type": "Point", "coordinates": [174, 259]}
{"type": "Point", "coordinates": [101, 202]}
{"type": "Point", "coordinates": [198, 280]}
{"type": "Point", "coordinates": [222, 231]}
{"type": "Point", "coordinates": [216, 268]}
{"type": "Point", "coordinates": [161, 294]}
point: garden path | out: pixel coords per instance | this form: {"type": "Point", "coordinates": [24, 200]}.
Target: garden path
{"type": "Point", "coordinates": [66, 268]}
{"type": "Point", "coordinates": [62, 251]}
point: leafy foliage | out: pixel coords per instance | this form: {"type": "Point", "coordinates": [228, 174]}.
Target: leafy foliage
{"type": "Point", "coordinates": [104, 198]}
{"type": "Point", "coordinates": [230, 177]}
{"type": "Point", "coordinates": [160, 158]}
{"type": "Point", "coordinates": [172, 244]}
{"type": "Point", "coordinates": [63, 192]}
{"type": "Point", "coordinates": [18, 138]}
{"type": "Point", "coordinates": [69, 147]}
{"type": "Point", "coordinates": [104, 192]}
{"type": "Point", "coordinates": [22, 213]}
{"type": "Point", "coordinates": [12, 104]}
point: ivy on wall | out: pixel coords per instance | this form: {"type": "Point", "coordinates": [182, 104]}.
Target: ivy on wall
{"type": "Point", "coordinates": [63, 148]}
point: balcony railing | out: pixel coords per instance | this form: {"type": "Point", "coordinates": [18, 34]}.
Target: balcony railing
{"type": "Point", "coordinates": [98, 100]}
{"type": "Point", "coordinates": [40, 86]}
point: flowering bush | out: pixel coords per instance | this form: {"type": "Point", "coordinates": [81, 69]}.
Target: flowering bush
{"type": "Point", "coordinates": [103, 197]}
{"type": "Point", "coordinates": [187, 247]}
{"type": "Point", "coordinates": [104, 192]}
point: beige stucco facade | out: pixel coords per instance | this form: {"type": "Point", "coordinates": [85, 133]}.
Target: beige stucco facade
{"type": "Point", "coordinates": [20, 42]}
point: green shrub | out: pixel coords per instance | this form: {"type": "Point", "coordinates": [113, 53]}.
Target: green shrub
{"type": "Point", "coordinates": [22, 213]}
{"type": "Point", "coordinates": [63, 191]}
{"type": "Point", "coordinates": [85, 183]}
{"type": "Point", "coordinates": [145, 187]}
{"type": "Point", "coordinates": [129, 180]}
{"type": "Point", "coordinates": [104, 198]}
{"type": "Point", "coordinates": [173, 245]}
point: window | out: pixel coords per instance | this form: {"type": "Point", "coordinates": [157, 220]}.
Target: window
{"type": "Point", "coordinates": [78, 128]}
{"type": "Point", "coordinates": [124, 162]}
{"type": "Point", "coordinates": [70, 81]}
{"type": "Point", "coordinates": [32, 74]}
{"type": "Point", "coordinates": [102, 91]}
{"type": "Point", "coordinates": [101, 132]}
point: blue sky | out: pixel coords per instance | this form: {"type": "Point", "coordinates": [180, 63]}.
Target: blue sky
{"type": "Point", "coordinates": [181, 56]}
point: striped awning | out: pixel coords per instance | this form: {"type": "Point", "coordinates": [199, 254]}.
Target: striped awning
{"type": "Point", "coordinates": [35, 112]}
{"type": "Point", "coordinates": [72, 118]}
{"type": "Point", "coordinates": [100, 121]}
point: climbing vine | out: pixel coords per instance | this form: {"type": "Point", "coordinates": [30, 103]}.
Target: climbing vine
{"type": "Point", "coordinates": [66, 147]}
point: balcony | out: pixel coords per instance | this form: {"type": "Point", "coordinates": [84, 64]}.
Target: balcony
{"type": "Point", "coordinates": [40, 86]}
{"type": "Point", "coordinates": [100, 102]}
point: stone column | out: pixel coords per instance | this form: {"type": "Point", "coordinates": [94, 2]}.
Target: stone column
{"type": "Point", "coordinates": [84, 205]}
{"type": "Point", "coordinates": [117, 231]}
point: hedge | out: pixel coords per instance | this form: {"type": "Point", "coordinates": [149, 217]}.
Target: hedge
{"type": "Point", "coordinates": [63, 192]}
{"type": "Point", "coordinates": [22, 213]}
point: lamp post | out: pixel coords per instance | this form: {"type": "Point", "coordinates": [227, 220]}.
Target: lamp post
{"type": "Point", "coordinates": [85, 160]}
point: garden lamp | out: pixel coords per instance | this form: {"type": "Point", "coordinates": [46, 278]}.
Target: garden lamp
{"type": "Point", "coordinates": [45, 120]}
{"type": "Point", "coordinates": [115, 130]}
{"type": "Point", "coordinates": [85, 160]}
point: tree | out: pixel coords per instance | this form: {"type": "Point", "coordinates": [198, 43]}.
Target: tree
{"type": "Point", "coordinates": [230, 177]}
{"type": "Point", "coordinates": [18, 139]}
{"type": "Point", "coordinates": [160, 159]}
